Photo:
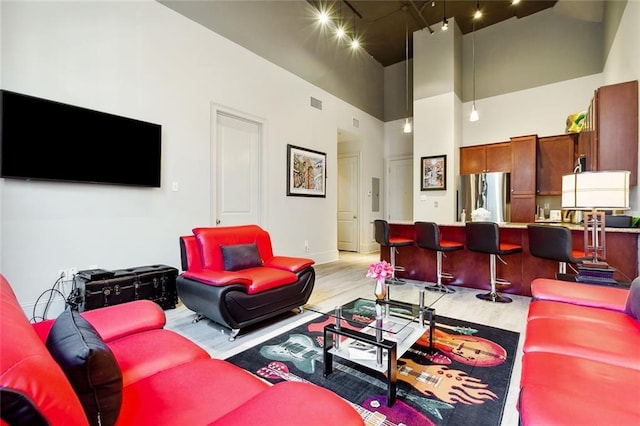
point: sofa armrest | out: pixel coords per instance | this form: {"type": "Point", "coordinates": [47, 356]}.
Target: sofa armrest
{"type": "Point", "coordinates": [292, 264]}
{"type": "Point", "coordinates": [114, 322]}
{"type": "Point", "coordinates": [217, 278]}
{"type": "Point", "coordinates": [595, 296]}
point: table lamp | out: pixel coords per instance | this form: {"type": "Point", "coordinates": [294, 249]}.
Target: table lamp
{"type": "Point", "coordinates": [595, 192]}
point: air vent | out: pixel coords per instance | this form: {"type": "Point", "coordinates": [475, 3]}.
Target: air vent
{"type": "Point", "coordinates": [316, 103]}
{"type": "Point", "coordinates": [356, 123]}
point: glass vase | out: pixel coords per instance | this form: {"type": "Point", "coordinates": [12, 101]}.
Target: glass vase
{"type": "Point", "coordinates": [380, 289]}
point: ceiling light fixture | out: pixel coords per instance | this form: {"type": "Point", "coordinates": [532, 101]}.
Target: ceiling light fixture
{"type": "Point", "coordinates": [474, 112]}
{"type": "Point", "coordinates": [355, 43]}
{"type": "Point", "coordinates": [323, 17]}
{"type": "Point", "coordinates": [445, 23]}
{"type": "Point", "coordinates": [515, 1]}
{"type": "Point", "coordinates": [340, 31]}
{"type": "Point", "coordinates": [478, 12]}
{"type": "Point", "coordinates": [407, 123]}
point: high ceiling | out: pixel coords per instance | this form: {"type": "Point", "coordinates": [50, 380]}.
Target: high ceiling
{"type": "Point", "coordinates": [381, 24]}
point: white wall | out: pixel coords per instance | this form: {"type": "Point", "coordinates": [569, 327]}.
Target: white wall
{"type": "Point", "coordinates": [143, 60]}
{"type": "Point", "coordinates": [435, 134]}
{"type": "Point", "coordinates": [541, 110]}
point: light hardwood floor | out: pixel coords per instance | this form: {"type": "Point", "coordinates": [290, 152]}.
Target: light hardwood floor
{"type": "Point", "coordinates": [344, 280]}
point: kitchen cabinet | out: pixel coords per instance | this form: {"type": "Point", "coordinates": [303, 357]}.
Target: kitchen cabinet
{"type": "Point", "coordinates": [609, 138]}
{"type": "Point", "coordinates": [523, 178]}
{"type": "Point", "coordinates": [494, 157]}
{"type": "Point", "coordinates": [555, 158]}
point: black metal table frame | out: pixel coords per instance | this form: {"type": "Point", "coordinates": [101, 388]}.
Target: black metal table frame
{"type": "Point", "coordinates": [331, 330]}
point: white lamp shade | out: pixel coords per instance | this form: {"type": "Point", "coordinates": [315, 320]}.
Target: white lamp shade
{"type": "Point", "coordinates": [606, 190]}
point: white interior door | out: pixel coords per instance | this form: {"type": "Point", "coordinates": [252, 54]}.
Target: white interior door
{"type": "Point", "coordinates": [348, 203]}
{"type": "Point", "coordinates": [400, 190]}
{"type": "Point", "coordinates": [238, 170]}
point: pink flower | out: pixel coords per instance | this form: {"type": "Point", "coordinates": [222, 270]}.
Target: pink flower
{"type": "Point", "coordinates": [379, 270]}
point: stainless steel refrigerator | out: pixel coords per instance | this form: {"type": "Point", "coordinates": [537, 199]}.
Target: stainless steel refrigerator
{"type": "Point", "coordinates": [491, 191]}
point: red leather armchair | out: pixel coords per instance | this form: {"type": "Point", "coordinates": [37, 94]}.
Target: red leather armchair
{"type": "Point", "coordinates": [581, 362]}
{"type": "Point", "coordinates": [232, 277]}
{"type": "Point", "coordinates": [166, 378]}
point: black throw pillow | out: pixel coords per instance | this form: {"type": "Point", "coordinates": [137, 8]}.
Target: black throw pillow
{"type": "Point", "coordinates": [240, 256]}
{"type": "Point", "coordinates": [89, 366]}
{"type": "Point", "coordinates": [633, 299]}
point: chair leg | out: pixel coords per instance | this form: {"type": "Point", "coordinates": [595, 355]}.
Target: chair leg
{"type": "Point", "coordinates": [493, 295]}
{"type": "Point", "coordinates": [562, 268]}
{"type": "Point", "coordinates": [439, 286]}
{"type": "Point", "coordinates": [394, 268]}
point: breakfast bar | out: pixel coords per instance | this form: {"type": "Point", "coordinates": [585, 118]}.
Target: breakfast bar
{"type": "Point", "coordinates": [471, 269]}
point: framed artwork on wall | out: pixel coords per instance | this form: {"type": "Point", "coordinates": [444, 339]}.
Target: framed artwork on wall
{"type": "Point", "coordinates": [433, 173]}
{"type": "Point", "coordinates": [306, 172]}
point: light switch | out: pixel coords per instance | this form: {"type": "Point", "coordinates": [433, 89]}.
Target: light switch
{"type": "Point", "coordinates": [174, 186]}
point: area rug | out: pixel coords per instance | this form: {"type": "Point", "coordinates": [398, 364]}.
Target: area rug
{"type": "Point", "coordinates": [463, 382]}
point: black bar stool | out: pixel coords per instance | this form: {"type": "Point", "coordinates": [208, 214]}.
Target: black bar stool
{"type": "Point", "coordinates": [382, 237]}
{"type": "Point", "coordinates": [428, 237]}
{"type": "Point", "coordinates": [554, 242]}
{"type": "Point", "coordinates": [484, 237]}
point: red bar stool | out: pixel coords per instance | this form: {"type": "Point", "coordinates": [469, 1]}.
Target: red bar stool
{"type": "Point", "coordinates": [484, 237]}
{"type": "Point", "coordinates": [554, 242]}
{"type": "Point", "coordinates": [428, 237]}
{"type": "Point", "coordinates": [381, 228]}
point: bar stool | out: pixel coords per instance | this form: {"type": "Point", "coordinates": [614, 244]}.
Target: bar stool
{"type": "Point", "coordinates": [554, 242]}
{"type": "Point", "coordinates": [484, 237]}
{"type": "Point", "coordinates": [381, 228]}
{"type": "Point", "coordinates": [428, 237]}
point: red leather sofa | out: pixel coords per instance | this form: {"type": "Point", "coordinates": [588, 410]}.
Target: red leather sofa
{"type": "Point", "coordinates": [232, 277]}
{"type": "Point", "coordinates": [581, 362]}
{"type": "Point", "coordinates": [165, 378]}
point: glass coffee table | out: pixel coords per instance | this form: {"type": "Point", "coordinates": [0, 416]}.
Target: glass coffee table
{"type": "Point", "coordinates": [375, 333]}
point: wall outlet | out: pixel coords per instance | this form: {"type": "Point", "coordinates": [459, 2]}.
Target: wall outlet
{"type": "Point", "coordinates": [67, 274]}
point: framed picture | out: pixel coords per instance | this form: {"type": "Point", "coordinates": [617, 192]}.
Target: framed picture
{"type": "Point", "coordinates": [433, 173]}
{"type": "Point", "coordinates": [306, 172]}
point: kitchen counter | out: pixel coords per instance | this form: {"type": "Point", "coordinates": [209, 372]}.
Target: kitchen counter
{"type": "Point", "coordinates": [471, 269]}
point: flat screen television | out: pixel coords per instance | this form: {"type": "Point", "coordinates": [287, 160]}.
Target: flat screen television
{"type": "Point", "coordinates": [45, 140]}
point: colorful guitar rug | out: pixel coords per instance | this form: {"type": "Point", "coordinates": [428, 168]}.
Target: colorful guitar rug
{"type": "Point", "coordinates": [463, 382]}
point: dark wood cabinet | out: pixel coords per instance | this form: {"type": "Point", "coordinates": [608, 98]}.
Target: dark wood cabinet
{"type": "Point", "coordinates": [555, 157]}
{"type": "Point", "coordinates": [523, 178]}
{"type": "Point", "coordinates": [485, 158]}
{"type": "Point", "coordinates": [609, 138]}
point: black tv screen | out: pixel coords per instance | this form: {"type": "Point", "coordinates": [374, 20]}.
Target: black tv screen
{"type": "Point", "coordinates": [46, 140]}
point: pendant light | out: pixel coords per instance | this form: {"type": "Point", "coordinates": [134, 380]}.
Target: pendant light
{"type": "Point", "coordinates": [445, 23]}
{"type": "Point", "coordinates": [407, 123]}
{"type": "Point", "coordinates": [474, 112]}
{"type": "Point", "coordinates": [478, 12]}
